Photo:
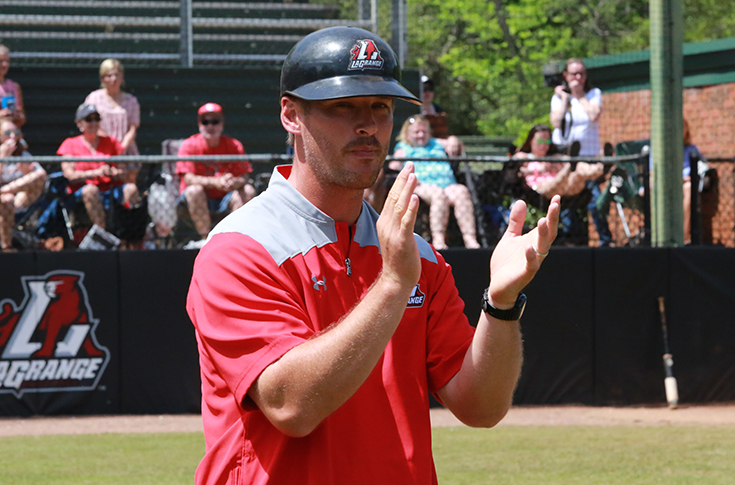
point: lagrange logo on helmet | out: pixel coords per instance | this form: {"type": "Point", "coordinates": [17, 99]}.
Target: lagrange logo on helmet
{"type": "Point", "coordinates": [48, 342]}
{"type": "Point", "coordinates": [365, 55]}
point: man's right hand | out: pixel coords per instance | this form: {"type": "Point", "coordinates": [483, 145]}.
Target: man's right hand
{"type": "Point", "coordinates": [401, 261]}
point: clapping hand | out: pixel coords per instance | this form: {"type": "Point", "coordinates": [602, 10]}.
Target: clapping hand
{"type": "Point", "coordinates": [518, 256]}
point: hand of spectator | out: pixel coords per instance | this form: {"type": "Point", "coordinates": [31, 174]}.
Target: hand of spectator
{"type": "Point", "coordinates": [6, 113]}
{"type": "Point", "coordinates": [401, 262]}
{"type": "Point", "coordinates": [103, 171]}
{"type": "Point", "coordinates": [115, 172]}
{"type": "Point", "coordinates": [238, 183]}
{"type": "Point", "coordinates": [230, 182]}
{"type": "Point", "coordinates": [559, 91]}
{"type": "Point", "coordinates": [8, 147]}
{"type": "Point", "coordinates": [518, 256]}
{"type": "Point", "coordinates": [224, 182]}
{"type": "Point", "coordinates": [577, 88]}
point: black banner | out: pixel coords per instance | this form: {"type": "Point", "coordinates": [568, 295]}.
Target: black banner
{"type": "Point", "coordinates": [107, 332]}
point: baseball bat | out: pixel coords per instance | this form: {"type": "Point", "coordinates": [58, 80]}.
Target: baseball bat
{"type": "Point", "coordinates": [672, 390]}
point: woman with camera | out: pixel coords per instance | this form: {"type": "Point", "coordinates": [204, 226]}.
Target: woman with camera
{"type": "Point", "coordinates": [575, 110]}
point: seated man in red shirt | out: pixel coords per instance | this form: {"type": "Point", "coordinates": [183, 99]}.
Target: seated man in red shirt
{"type": "Point", "coordinates": [96, 183]}
{"type": "Point", "coordinates": [212, 187]}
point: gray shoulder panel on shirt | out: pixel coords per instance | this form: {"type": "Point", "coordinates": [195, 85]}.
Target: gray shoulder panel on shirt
{"type": "Point", "coordinates": [286, 224]}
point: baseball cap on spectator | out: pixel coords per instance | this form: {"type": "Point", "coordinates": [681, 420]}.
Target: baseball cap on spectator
{"type": "Point", "coordinates": [209, 108]}
{"type": "Point", "coordinates": [85, 110]}
{"type": "Point", "coordinates": [427, 82]}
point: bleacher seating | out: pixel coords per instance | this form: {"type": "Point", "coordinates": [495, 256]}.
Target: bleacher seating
{"type": "Point", "coordinates": [82, 31]}
{"type": "Point", "coordinates": [57, 45]}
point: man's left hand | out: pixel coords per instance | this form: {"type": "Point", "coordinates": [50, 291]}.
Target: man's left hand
{"type": "Point", "coordinates": [518, 256]}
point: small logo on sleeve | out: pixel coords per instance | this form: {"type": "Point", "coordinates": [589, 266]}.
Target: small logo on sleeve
{"type": "Point", "coordinates": [416, 300]}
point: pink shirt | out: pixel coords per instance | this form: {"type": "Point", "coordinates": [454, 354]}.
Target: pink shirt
{"type": "Point", "coordinates": [8, 88]}
{"type": "Point", "coordinates": [117, 118]}
{"type": "Point", "coordinates": [539, 172]}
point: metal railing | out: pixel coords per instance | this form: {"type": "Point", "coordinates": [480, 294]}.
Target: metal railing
{"type": "Point", "coordinates": [494, 183]}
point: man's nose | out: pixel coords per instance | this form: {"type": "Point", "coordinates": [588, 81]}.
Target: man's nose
{"type": "Point", "coordinates": [367, 124]}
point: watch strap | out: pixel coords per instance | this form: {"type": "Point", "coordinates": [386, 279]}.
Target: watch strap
{"type": "Point", "coordinates": [509, 315]}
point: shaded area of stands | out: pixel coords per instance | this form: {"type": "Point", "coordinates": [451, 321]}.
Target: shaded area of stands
{"type": "Point", "coordinates": [169, 98]}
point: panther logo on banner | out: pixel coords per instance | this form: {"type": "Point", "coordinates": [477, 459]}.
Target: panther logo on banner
{"type": "Point", "coordinates": [48, 342]}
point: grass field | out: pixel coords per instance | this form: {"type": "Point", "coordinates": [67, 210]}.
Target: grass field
{"type": "Point", "coordinates": [517, 455]}
{"type": "Point", "coordinates": [582, 455]}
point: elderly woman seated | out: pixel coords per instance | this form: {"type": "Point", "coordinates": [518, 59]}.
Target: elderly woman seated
{"type": "Point", "coordinates": [437, 184]}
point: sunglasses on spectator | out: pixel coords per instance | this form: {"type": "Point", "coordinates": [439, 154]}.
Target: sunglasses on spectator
{"type": "Point", "coordinates": [92, 119]}
{"type": "Point", "coordinates": [578, 73]}
{"type": "Point", "coordinates": [543, 141]}
{"type": "Point", "coordinates": [11, 132]}
{"type": "Point", "coordinates": [211, 121]}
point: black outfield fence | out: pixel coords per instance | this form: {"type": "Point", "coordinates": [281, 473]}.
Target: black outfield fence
{"type": "Point", "coordinates": [106, 332]}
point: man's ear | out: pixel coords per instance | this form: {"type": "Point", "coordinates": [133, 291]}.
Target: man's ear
{"type": "Point", "coordinates": [290, 115]}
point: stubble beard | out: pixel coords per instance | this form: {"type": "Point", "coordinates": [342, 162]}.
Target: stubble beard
{"type": "Point", "coordinates": [333, 173]}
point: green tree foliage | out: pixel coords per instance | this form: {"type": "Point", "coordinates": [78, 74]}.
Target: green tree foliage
{"type": "Point", "coordinates": [495, 50]}
{"type": "Point", "coordinates": [486, 56]}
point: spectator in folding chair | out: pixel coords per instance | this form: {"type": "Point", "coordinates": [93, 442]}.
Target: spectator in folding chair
{"type": "Point", "coordinates": [549, 178]}
{"type": "Point", "coordinates": [21, 183]}
{"type": "Point", "coordinates": [690, 149]}
{"type": "Point", "coordinates": [102, 186]}
{"type": "Point", "coordinates": [540, 176]}
{"type": "Point", "coordinates": [438, 186]}
{"type": "Point", "coordinates": [208, 187]}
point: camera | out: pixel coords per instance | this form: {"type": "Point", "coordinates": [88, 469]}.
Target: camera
{"type": "Point", "coordinates": [554, 76]}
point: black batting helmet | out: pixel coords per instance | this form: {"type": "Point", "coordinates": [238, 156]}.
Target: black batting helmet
{"type": "Point", "coordinates": [342, 62]}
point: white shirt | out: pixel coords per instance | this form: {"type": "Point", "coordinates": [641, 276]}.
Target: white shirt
{"type": "Point", "coordinates": [579, 127]}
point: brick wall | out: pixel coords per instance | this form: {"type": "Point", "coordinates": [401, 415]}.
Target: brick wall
{"type": "Point", "coordinates": [710, 111]}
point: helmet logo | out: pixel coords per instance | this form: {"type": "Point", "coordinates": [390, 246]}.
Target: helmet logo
{"type": "Point", "coordinates": [365, 55]}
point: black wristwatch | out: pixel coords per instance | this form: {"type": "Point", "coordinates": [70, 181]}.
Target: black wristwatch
{"type": "Point", "coordinates": [511, 314]}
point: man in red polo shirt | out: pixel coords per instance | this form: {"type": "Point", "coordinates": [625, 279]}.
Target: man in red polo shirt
{"type": "Point", "coordinates": [212, 187]}
{"type": "Point", "coordinates": [322, 326]}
